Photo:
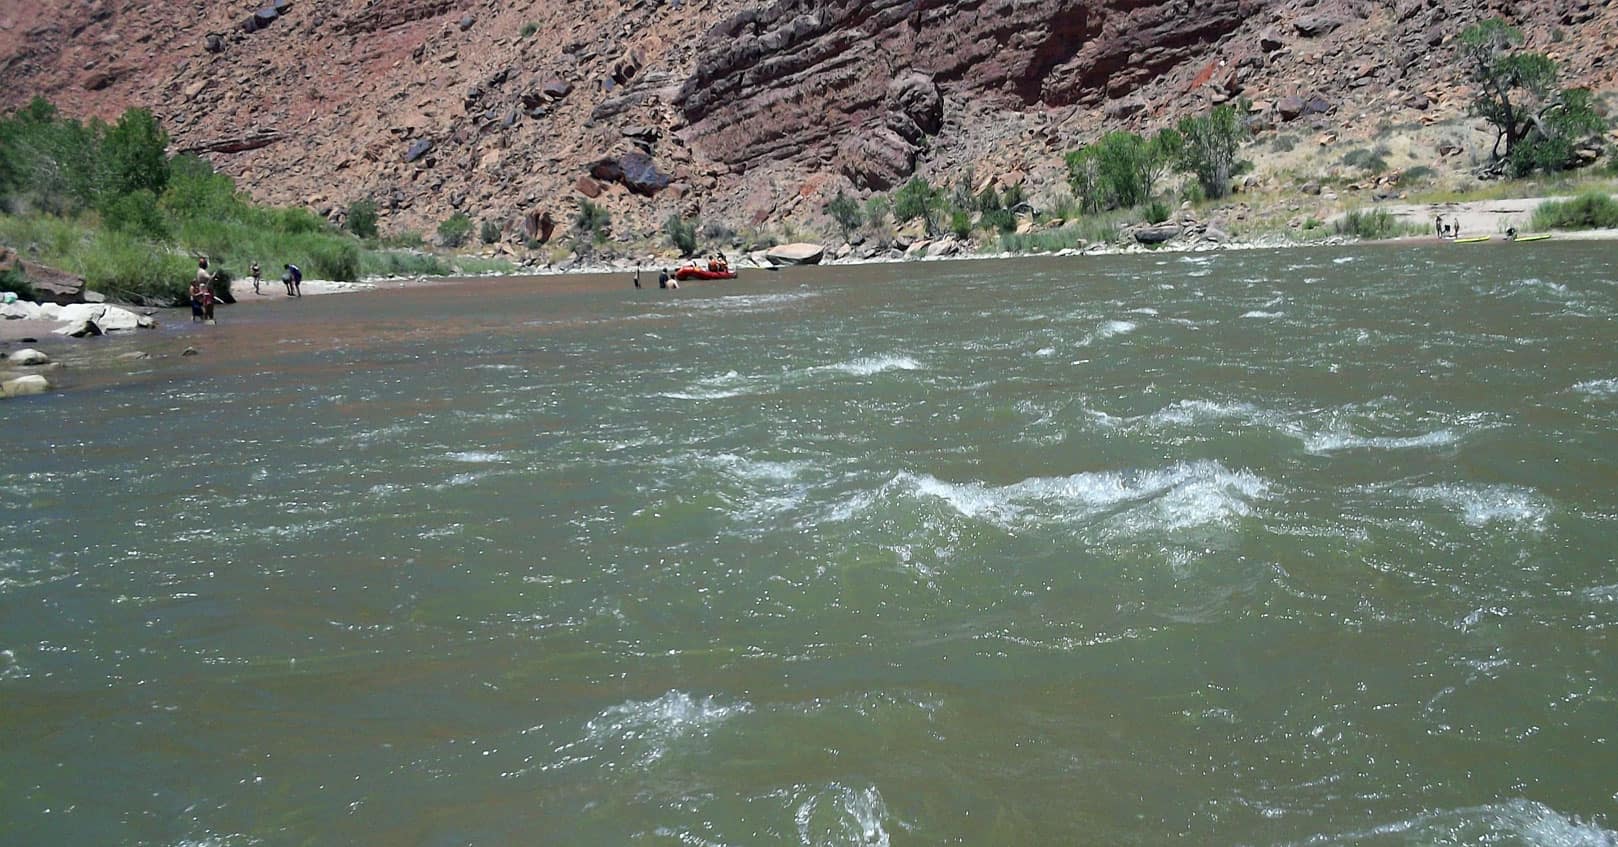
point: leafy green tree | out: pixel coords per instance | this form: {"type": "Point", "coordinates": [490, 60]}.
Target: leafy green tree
{"type": "Point", "coordinates": [134, 155]}
{"type": "Point", "coordinates": [877, 209]}
{"type": "Point", "coordinates": [489, 232]}
{"type": "Point", "coordinates": [1084, 177]}
{"type": "Point", "coordinates": [1537, 123]}
{"type": "Point", "coordinates": [1211, 142]}
{"type": "Point", "coordinates": [1163, 155]}
{"type": "Point", "coordinates": [135, 213]}
{"type": "Point", "coordinates": [917, 199]}
{"type": "Point", "coordinates": [682, 234]}
{"type": "Point", "coordinates": [590, 225]}
{"type": "Point", "coordinates": [960, 223]}
{"type": "Point", "coordinates": [362, 218]}
{"type": "Point", "coordinates": [1121, 158]}
{"type": "Point", "coordinates": [845, 211]}
{"type": "Point", "coordinates": [453, 231]}
{"type": "Point", "coordinates": [196, 191]}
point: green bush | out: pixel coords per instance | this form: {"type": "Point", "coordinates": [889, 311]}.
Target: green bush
{"type": "Point", "coordinates": [682, 234]}
{"type": "Point", "coordinates": [528, 29]}
{"type": "Point", "coordinates": [845, 211]}
{"type": "Point", "coordinates": [362, 218]}
{"type": "Point", "coordinates": [1419, 173]}
{"type": "Point", "coordinates": [1156, 212]}
{"type": "Point", "coordinates": [1283, 144]}
{"type": "Point", "coordinates": [917, 199]}
{"type": "Point", "coordinates": [960, 223]}
{"type": "Point", "coordinates": [1591, 210]}
{"type": "Point", "coordinates": [1375, 224]}
{"type": "Point", "coordinates": [592, 222]}
{"type": "Point", "coordinates": [453, 231]}
{"type": "Point", "coordinates": [333, 258]}
{"type": "Point", "coordinates": [12, 280]}
{"type": "Point", "coordinates": [121, 265]}
{"type": "Point", "coordinates": [294, 220]}
{"type": "Point", "coordinates": [999, 220]}
{"type": "Point", "coordinates": [1370, 161]}
{"type": "Point", "coordinates": [489, 232]}
{"type": "Point", "coordinates": [136, 213]}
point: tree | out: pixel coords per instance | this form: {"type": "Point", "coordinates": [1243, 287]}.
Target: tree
{"type": "Point", "coordinates": [1210, 145]}
{"type": "Point", "coordinates": [1162, 156]}
{"type": "Point", "coordinates": [877, 209]}
{"type": "Point", "coordinates": [453, 231]}
{"type": "Point", "coordinates": [682, 234]}
{"type": "Point", "coordinates": [362, 218]}
{"type": "Point", "coordinates": [590, 224]}
{"type": "Point", "coordinates": [489, 232]}
{"type": "Point", "coordinates": [917, 199]}
{"type": "Point", "coordinates": [1517, 95]}
{"type": "Point", "coordinates": [134, 155]}
{"type": "Point", "coordinates": [1084, 177]}
{"type": "Point", "coordinates": [1121, 157]}
{"type": "Point", "coordinates": [845, 211]}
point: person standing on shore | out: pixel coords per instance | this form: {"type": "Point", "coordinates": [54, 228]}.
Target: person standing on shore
{"type": "Point", "coordinates": [255, 277]}
{"type": "Point", "coordinates": [294, 280]}
{"type": "Point", "coordinates": [637, 276]}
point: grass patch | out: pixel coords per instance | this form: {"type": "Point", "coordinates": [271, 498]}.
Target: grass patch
{"type": "Point", "coordinates": [1374, 225]}
{"type": "Point", "coordinates": [1590, 210]}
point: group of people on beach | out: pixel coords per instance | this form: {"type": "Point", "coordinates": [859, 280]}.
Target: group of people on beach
{"type": "Point", "coordinates": [1447, 229]}
{"type": "Point", "coordinates": [203, 297]}
{"type": "Point", "coordinates": [664, 280]}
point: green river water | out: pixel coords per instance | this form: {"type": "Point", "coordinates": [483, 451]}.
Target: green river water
{"type": "Point", "coordinates": [1310, 547]}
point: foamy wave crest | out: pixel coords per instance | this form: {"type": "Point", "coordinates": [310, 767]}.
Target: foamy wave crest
{"type": "Point", "coordinates": [1323, 443]}
{"type": "Point", "coordinates": [840, 816]}
{"type": "Point", "coordinates": [1187, 412]}
{"type": "Point", "coordinates": [745, 302]}
{"type": "Point", "coordinates": [730, 384]}
{"type": "Point", "coordinates": [1109, 329]}
{"type": "Point", "coordinates": [874, 365]}
{"type": "Point", "coordinates": [1178, 497]}
{"type": "Point", "coordinates": [477, 457]}
{"type": "Point", "coordinates": [643, 731]}
{"type": "Point", "coordinates": [1258, 314]}
{"type": "Point", "coordinates": [1519, 821]}
{"type": "Point", "coordinates": [1598, 387]}
{"type": "Point", "coordinates": [1484, 505]}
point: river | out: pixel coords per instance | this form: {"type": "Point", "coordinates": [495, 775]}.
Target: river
{"type": "Point", "coordinates": [1307, 547]}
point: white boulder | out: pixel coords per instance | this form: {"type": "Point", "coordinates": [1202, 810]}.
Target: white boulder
{"type": "Point", "coordinates": [23, 386]}
{"type": "Point", "coordinates": [28, 356]}
{"type": "Point", "coordinates": [796, 254]}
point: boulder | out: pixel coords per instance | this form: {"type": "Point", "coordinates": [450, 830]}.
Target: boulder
{"type": "Point", "coordinates": [22, 310]}
{"type": "Point", "coordinates": [1313, 26]}
{"type": "Point", "coordinates": [1270, 41]}
{"type": "Point", "coordinates": [538, 226]}
{"type": "Point", "coordinates": [82, 328]}
{"type": "Point", "coordinates": [52, 285]}
{"type": "Point", "coordinates": [28, 357]}
{"type": "Point", "coordinates": [588, 187]}
{"type": "Point", "coordinates": [417, 149]}
{"type": "Point", "coordinates": [913, 101]}
{"type": "Point", "coordinates": [1124, 108]}
{"type": "Point", "coordinates": [1289, 107]}
{"type": "Point", "coordinates": [556, 89]}
{"type": "Point", "coordinates": [634, 170]}
{"type": "Point", "coordinates": [795, 254]}
{"type": "Point", "coordinates": [25, 385]}
{"type": "Point", "coordinates": [1156, 234]}
{"type": "Point", "coordinates": [878, 159]}
{"type": "Point", "coordinates": [106, 318]}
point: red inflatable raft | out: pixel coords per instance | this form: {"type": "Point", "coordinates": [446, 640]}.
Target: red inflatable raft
{"type": "Point", "coordinates": [689, 272]}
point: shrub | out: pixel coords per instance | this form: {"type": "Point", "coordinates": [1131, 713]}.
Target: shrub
{"type": "Point", "coordinates": [12, 280]}
{"type": "Point", "coordinates": [917, 199]}
{"type": "Point", "coordinates": [529, 29]}
{"type": "Point", "coordinates": [362, 218]}
{"type": "Point", "coordinates": [122, 265]}
{"type": "Point", "coordinates": [135, 213]}
{"type": "Point", "coordinates": [1283, 144]}
{"type": "Point", "coordinates": [845, 211]}
{"type": "Point", "coordinates": [1157, 212]}
{"type": "Point", "coordinates": [452, 232]}
{"type": "Point", "coordinates": [718, 231]}
{"type": "Point", "coordinates": [960, 223]}
{"type": "Point", "coordinates": [295, 220]}
{"type": "Point", "coordinates": [1210, 143]}
{"type": "Point", "coordinates": [334, 258]}
{"type": "Point", "coordinates": [1000, 220]}
{"type": "Point", "coordinates": [682, 234]}
{"type": "Point", "coordinates": [1368, 160]}
{"type": "Point", "coordinates": [1419, 173]}
{"type": "Point", "coordinates": [1591, 210]}
{"type": "Point", "coordinates": [592, 221]}
{"type": "Point", "coordinates": [489, 232]}
{"type": "Point", "coordinates": [1374, 224]}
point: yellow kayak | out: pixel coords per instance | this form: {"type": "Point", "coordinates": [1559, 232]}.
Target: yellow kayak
{"type": "Point", "coordinates": [1541, 237]}
{"type": "Point", "coordinates": [1476, 239]}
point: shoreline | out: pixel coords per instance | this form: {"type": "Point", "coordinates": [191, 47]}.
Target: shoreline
{"type": "Point", "coordinates": [1477, 218]}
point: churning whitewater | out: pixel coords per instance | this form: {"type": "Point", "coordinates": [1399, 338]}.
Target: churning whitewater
{"type": "Point", "coordinates": [1268, 548]}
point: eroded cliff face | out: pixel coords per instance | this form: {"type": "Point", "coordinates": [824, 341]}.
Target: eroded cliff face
{"type": "Point", "coordinates": [746, 114]}
{"type": "Point", "coordinates": [861, 84]}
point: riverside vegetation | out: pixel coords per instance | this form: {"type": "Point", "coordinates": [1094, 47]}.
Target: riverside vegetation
{"type": "Point", "coordinates": [108, 203]}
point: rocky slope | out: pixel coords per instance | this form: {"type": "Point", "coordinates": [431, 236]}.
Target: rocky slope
{"type": "Point", "coordinates": [747, 114]}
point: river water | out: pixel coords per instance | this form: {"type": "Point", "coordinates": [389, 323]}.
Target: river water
{"type": "Point", "coordinates": [1311, 547]}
